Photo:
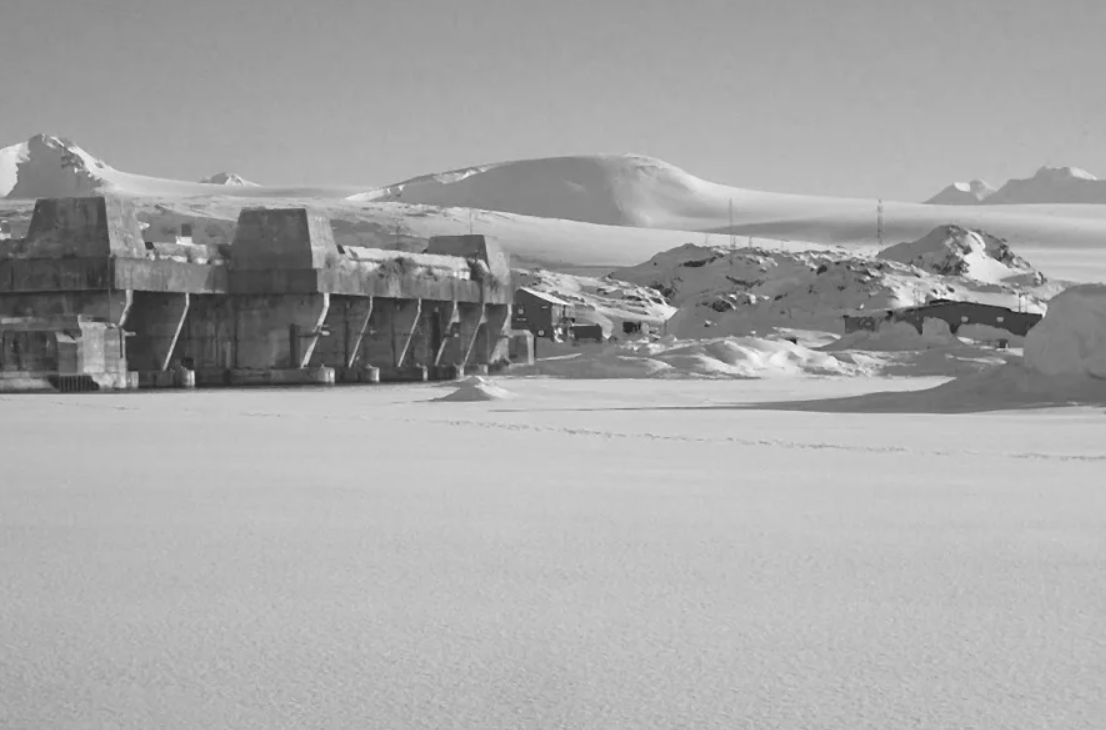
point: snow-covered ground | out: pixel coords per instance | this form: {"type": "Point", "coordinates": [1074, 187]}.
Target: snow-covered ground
{"type": "Point", "coordinates": [625, 554]}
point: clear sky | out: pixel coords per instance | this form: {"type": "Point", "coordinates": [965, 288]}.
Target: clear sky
{"type": "Point", "coordinates": [842, 97]}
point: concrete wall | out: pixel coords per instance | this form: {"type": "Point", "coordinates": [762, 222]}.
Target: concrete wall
{"type": "Point", "coordinates": [282, 238]}
{"type": "Point", "coordinates": [82, 227]}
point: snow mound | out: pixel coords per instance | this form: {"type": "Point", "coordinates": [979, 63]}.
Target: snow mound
{"type": "Point", "coordinates": [1071, 339]}
{"type": "Point", "coordinates": [745, 357]}
{"type": "Point", "coordinates": [963, 193]}
{"type": "Point", "coordinates": [228, 178]}
{"type": "Point", "coordinates": [987, 333]}
{"type": "Point", "coordinates": [899, 336]}
{"type": "Point", "coordinates": [956, 251]}
{"type": "Point", "coordinates": [476, 388]}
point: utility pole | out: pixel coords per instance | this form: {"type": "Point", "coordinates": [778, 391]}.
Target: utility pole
{"type": "Point", "coordinates": [879, 222]}
{"type": "Point", "coordinates": [470, 221]}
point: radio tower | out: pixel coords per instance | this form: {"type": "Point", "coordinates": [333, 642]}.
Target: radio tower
{"type": "Point", "coordinates": [733, 236]}
{"type": "Point", "coordinates": [879, 222]}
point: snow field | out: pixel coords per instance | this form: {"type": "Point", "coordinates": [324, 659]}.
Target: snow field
{"type": "Point", "coordinates": [634, 554]}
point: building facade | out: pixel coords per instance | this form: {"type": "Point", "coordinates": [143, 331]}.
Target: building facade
{"type": "Point", "coordinates": [955, 313]}
{"type": "Point", "coordinates": [282, 304]}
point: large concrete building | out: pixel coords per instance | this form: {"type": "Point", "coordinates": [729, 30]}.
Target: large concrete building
{"type": "Point", "coordinates": [282, 304]}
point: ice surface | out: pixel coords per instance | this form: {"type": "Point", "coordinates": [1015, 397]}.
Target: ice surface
{"type": "Point", "coordinates": [625, 554]}
{"type": "Point", "coordinates": [1071, 339]}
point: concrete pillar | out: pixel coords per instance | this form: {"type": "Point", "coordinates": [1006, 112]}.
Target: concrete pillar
{"type": "Point", "coordinates": [497, 333]}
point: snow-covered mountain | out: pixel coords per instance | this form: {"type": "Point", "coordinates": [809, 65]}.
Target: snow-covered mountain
{"type": "Point", "coordinates": [723, 291]}
{"type": "Point", "coordinates": [46, 166]}
{"type": "Point", "coordinates": [1051, 185]}
{"type": "Point", "coordinates": [963, 193]}
{"type": "Point", "coordinates": [228, 178]}
{"type": "Point", "coordinates": [565, 213]}
{"type": "Point", "coordinates": [1048, 186]}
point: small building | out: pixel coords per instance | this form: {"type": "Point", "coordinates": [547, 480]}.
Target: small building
{"type": "Point", "coordinates": [588, 332]}
{"type": "Point", "coordinates": [955, 313]}
{"type": "Point", "coordinates": [67, 352]}
{"type": "Point", "coordinates": [543, 314]}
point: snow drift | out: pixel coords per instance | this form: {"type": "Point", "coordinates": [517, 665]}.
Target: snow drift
{"type": "Point", "coordinates": [476, 388]}
{"type": "Point", "coordinates": [1071, 339]}
{"type": "Point", "coordinates": [734, 357]}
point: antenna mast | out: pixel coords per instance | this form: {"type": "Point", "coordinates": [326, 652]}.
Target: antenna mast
{"type": "Point", "coordinates": [733, 236]}
{"type": "Point", "coordinates": [879, 222]}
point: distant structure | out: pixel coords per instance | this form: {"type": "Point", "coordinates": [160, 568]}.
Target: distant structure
{"type": "Point", "coordinates": [76, 354]}
{"type": "Point", "coordinates": [282, 304]}
{"type": "Point", "coordinates": [955, 313]}
{"type": "Point", "coordinates": [546, 316]}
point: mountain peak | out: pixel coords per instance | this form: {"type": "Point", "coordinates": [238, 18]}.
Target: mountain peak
{"type": "Point", "coordinates": [228, 178]}
{"type": "Point", "coordinates": [1060, 174]}
{"type": "Point", "coordinates": [963, 193]}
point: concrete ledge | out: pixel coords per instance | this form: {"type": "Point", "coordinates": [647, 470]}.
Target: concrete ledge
{"type": "Point", "coordinates": [289, 376]}
{"type": "Point", "coordinates": [446, 372]}
{"type": "Point", "coordinates": [366, 374]}
{"type": "Point", "coordinates": [408, 374]}
{"type": "Point", "coordinates": [217, 377]}
{"type": "Point", "coordinates": [182, 378]}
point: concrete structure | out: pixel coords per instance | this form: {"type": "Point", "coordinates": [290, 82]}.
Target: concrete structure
{"type": "Point", "coordinates": [543, 314]}
{"type": "Point", "coordinates": [955, 313]}
{"type": "Point", "coordinates": [68, 353]}
{"type": "Point", "coordinates": [282, 304]}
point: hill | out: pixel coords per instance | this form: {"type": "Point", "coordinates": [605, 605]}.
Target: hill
{"type": "Point", "coordinates": [723, 291]}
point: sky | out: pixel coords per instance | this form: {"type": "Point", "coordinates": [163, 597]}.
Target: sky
{"type": "Point", "coordinates": [864, 98]}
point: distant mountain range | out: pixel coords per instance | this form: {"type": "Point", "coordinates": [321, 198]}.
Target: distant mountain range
{"type": "Point", "coordinates": [1049, 185]}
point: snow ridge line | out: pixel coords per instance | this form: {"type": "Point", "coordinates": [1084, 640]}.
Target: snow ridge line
{"type": "Point", "coordinates": [762, 443]}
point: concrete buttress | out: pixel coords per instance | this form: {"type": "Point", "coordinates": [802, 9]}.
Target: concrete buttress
{"type": "Point", "coordinates": [360, 316]}
{"type": "Point", "coordinates": [407, 315]}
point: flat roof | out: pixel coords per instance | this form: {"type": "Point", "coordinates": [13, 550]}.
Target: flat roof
{"type": "Point", "coordinates": [545, 297]}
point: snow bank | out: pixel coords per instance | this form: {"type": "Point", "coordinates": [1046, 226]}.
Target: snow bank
{"type": "Point", "coordinates": [987, 333]}
{"type": "Point", "coordinates": [1071, 339]}
{"type": "Point", "coordinates": [734, 357]}
{"type": "Point", "coordinates": [476, 388]}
